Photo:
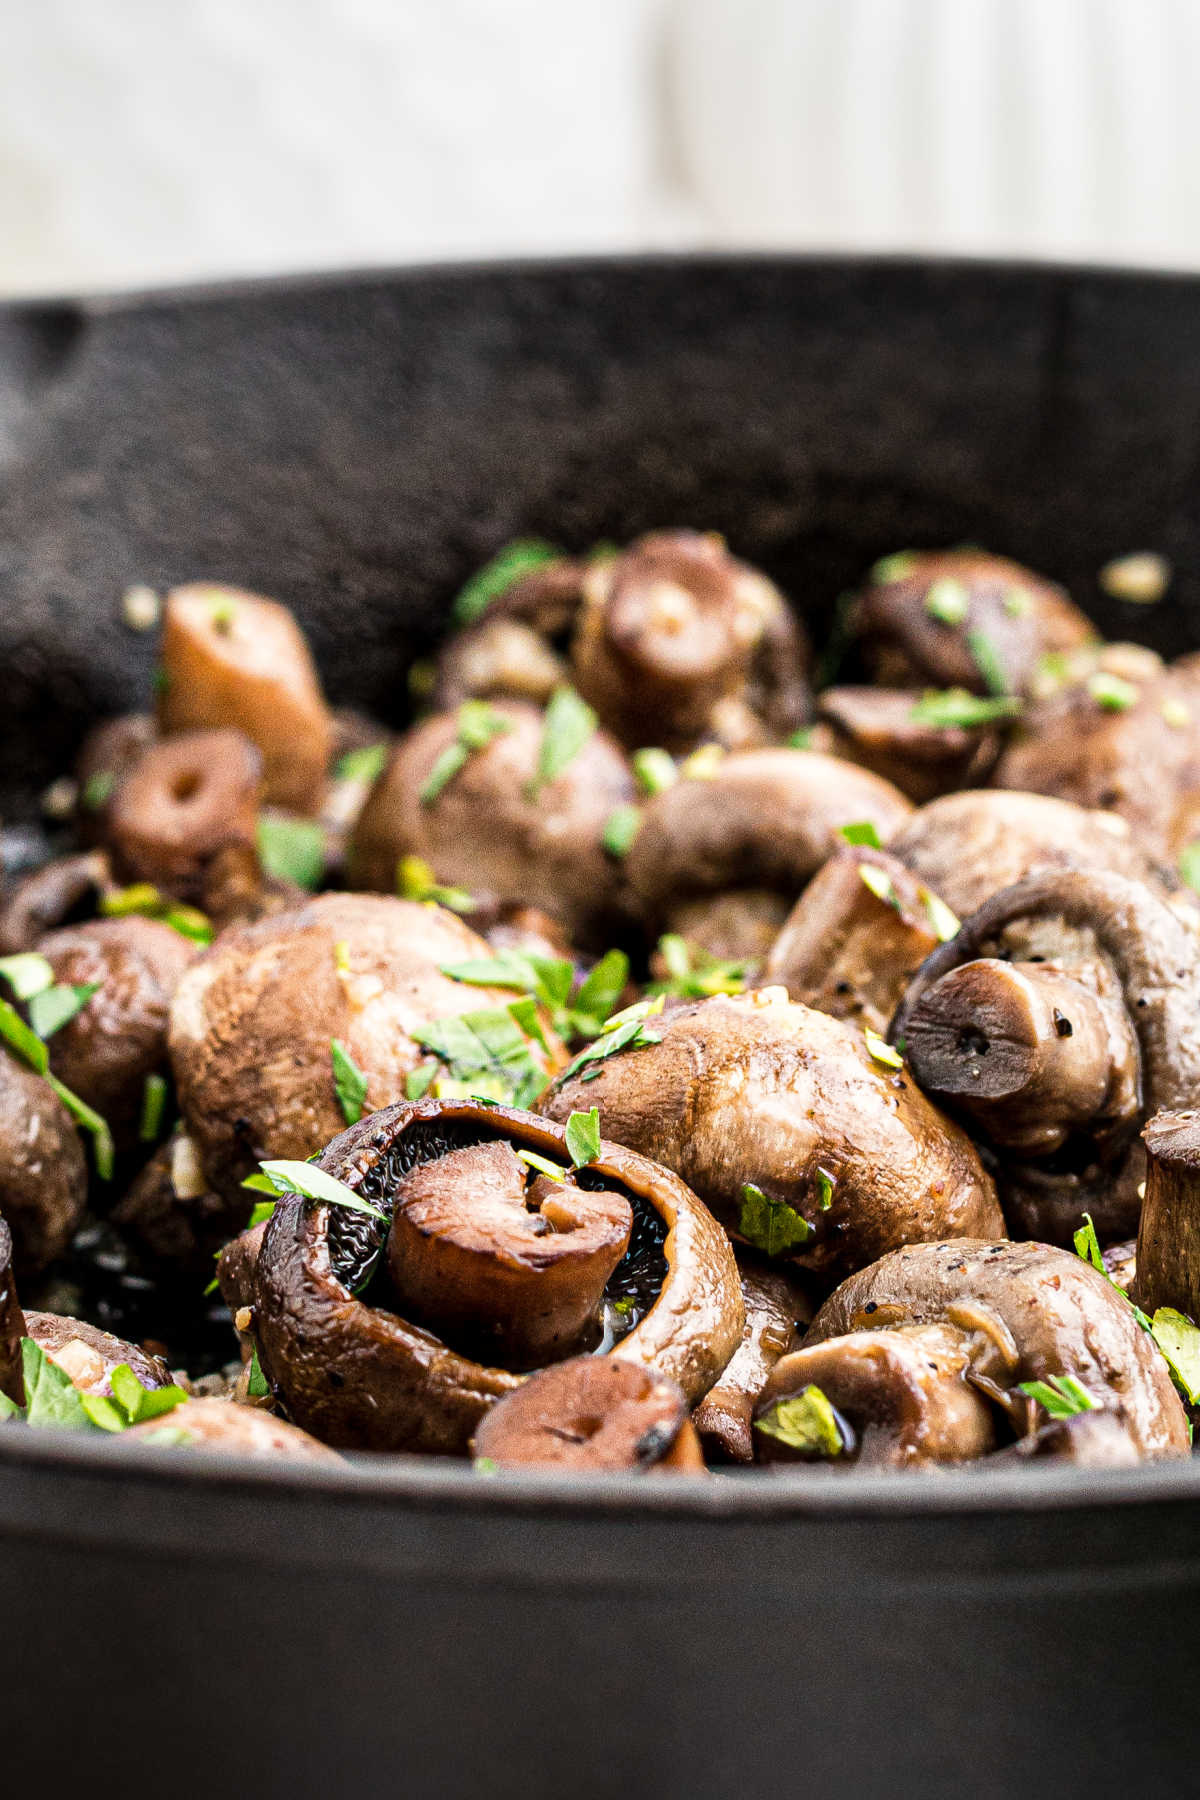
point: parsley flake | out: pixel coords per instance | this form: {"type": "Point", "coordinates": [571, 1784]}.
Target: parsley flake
{"type": "Point", "coordinates": [568, 724]}
{"type": "Point", "coordinates": [771, 1226]}
{"type": "Point", "coordinates": [1111, 693]}
{"type": "Point", "coordinates": [862, 832]}
{"type": "Point", "coordinates": [807, 1423]}
{"type": "Point", "coordinates": [950, 709]}
{"type": "Point", "coordinates": [522, 557]}
{"type": "Point", "coordinates": [292, 849]}
{"type": "Point", "coordinates": [987, 660]}
{"type": "Point", "coordinates": [350, 1084]}
{"type": "Point", "coordinates": [312, 1183]}
{"type": "Point", "coordinates": [620, 829]}
{"type": "Point", "coordinates": [1061, 1396]}
{"type": "Point", "coordinates": [881, 1051]}
{"type": "Point", "coordinates": [948, 600]}
{"type": "Point", "coordinates": [654, 770]}
{"type": "Point", "coordinates": [583, 1137]}
{"type": "Point", "coordinates": [365, 765]}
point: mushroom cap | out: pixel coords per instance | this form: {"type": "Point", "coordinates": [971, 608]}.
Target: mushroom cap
{"type": "Point", "coordinates": [764, 818]}
{"type": "Point", "coordinates": [485, 833]}
{"type": "Point", "coordinates": [776, 1305]}
{"type": "Point", "coordinates": [253, 1020]}
{"type": "Point", "coordinates": [235, 660]}
{"type": "Point", "coordinates": [358, 1375]}
{"type": "Point", "coordinates": [12, 1323]}
{"type": "Point", "coordinates": [89, 1355]}
{"type": "Point", "coordinates": [593, 1412]}
{"type": "Point", "coordinates": [68, 887]}
{"type": "Point", "coordinates": [1064, 1318]}
{"type": "Point", "coordinates": [187, 801]}
{"type": "Point", "coordinates": [874, 727]}
{"type": "Point", "coordinates": [43, 1172]}
{"type": "Point", "coordinates": [754, 1088]}
{"type": "Point", "coordinates": [229, 1429]}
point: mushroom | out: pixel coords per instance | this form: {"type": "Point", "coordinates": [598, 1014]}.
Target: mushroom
{"type": "Point", "coordinates": [1036, 1313]}
{"type": "Point", "coordinates": [776, 1305]}
{"type": "Point", "coordinates": [887, 731]}
{"type": "Point", "coordinates": [962, 618]}
{"type": "Point", "coordinates": [677, 642]}
{"type": "Point", "coordinates": [234, 661]}
{"type": "Point", "coordinates": [107, 1051]}
{"type": "Point", "coordinates": [353, 1370]}
{"type": "Point", "coordinates": [1059, 1055]}
{"type": "Point", "coordinates": [477, 1249]}
{"type": "Point", "coordinates": [43, 1174]}
{"type": "Point", "coordinates": [1093, 1440]}
{"type": "Point", "coordinates": [1168, 1242]}
{"type": "Point", "coordinates": [720, 860]}
{"type": "Point", "coordinates": [171, 1213]}
{"type": "Point", "coordinates": [788, 1124]}
{"type": "Point", "coordinates": [188, 810]}
{"type": "Point", "coordinates": [89, 1355]}
{"type": "Point", "coordinates": [593, 1413]}
{"type": "Point", "coordinates": [1121, 733]}
{"type": "Point", "coordinates": [12, 1323]}
{"type": "Point", "coordinates": [254, 1020]}
{"type": "Point", "coordinates": [228, 1429]}
{"type": "Point", "coordinates": [857, 935]}
{"type": "Point", "coordinates": [110, 753]}
{"type": "Point", "coordinates": [67, 889]}
{"type": "Point", "coordinates": [493, 827]}
{"type": "Point", "coordinates": [517, 650]}
{"type": "Point", "coordinates": [967, 846]}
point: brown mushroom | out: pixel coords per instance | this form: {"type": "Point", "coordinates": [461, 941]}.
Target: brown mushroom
{"type": "Point", "coordinates": [776, 1305]}
{"type": "Point", "coordinates": [234, 661]}
{"type": "Point", "coordinates": [1061, 1054]}
{"type": "Point", "coordinates": [43, 1174]}
{"type": "Point", "coordinates": [886, 730]}
{"type": "Point", "coordinates": [254, 1020]}
{"type": "Point", "coordinates": [1038, 1314]}
{"type": "Point", "coordinates": [493, 828]}
{"type": "Point", "coordinates": [171, 1213]}
{"type": "Point", "coordinates": [1168, 1242]}
{"type": "Point", "coordinates": [843, 1155]}
{"type": "Point", "coordinates": [227, 1429]}
{"type": "Point", "coordinates": [1093, 1440]}
{"type": "Point", "coordinates": [962, 618]}
{"type": "Point", "coordinates": [188, 808]}
{"type": "Point", "coordinates": [64, 890]}
{"type": "Point", "coordinates": [517, 649]}
{"type": "Point", "coordinates": [594, 1413]}
{"type": "Point", "coordinates": [749, 835]}
{"type": "Point", "coordinates": [12, 1323]}
{"type": "Point", "coordinates": [358, 1374]}
{"type": "Point", "coordinates": [110, 753]}
{"type": "Point", "coordinates": [89, 1355]}
{"type": "Point", "coordinates": [857, 935]}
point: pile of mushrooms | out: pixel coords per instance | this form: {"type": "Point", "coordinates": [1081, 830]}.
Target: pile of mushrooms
{"type": "Point", "coordinates": [640, 1062]}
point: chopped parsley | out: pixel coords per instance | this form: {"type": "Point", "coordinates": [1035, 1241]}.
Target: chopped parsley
{"type": "Point", "coordinates": [486, 1054]}
{"type": "Point", "coordinates": [415, 880]}
{"type": "Point", "coordinates": [576, 1011]}
{"type": "Point", "coordinates": [98, 790]}
{"type": "Point", "coordinates": [695, 975]}
{"type": "Point", "coordinates": [986, 658]}
{"type": "Point", "coordinates": [1111, 693]}
{"type": "Point", "coordinates": [807, 1423]}
{"type": "Point", "coordinates": [350, 1084]}
{"type": "Point", "coordinates": [257, 1385]}
{"type": "Point", "coordinates": [771, 1226]}
{"type": "Point", "coordinates": [897, 567]}
{"type": "Point", "coordinates": [27, 974]}
{"type": "Point", "coordinates": [1061, 1396]}
{"type": "Point", "coordinates": [53, 1401]}
{"type": "Point", "coordinates": [522, 557]}
{"type": "Point", "coordinates": [56, 1006]}
{"type": "Point", "coordinates": [880, 884]}
{"type": "Point", "coordinates": [312, 1183]}
{"type": "Point", "coordinates": [951, 709]}
{"type": "Point", "coordinates": [365, 765]}
{"type": "Point", "coordinates": [654, 770]}
{"type": "Point", "coordinates": [90, 1121]}
{"type": "Point", "coordinates": [583, 1137]}
{"type": "Point", "coordinates": [292, 850]}
{"type": "Point", "coordinates": [948, 600]}
{"type": "Point", "coordinates": [825, 1186]}
{"type": "Point", "coordinates": [1179, 1341]}
{"type": "Point", "coordinates": [881, 1051]}
{"type": "Point", "coordinates": [1189, 865]}
{"type": "Point", "coordinates": [568, 724]}
{"type": "Point", "coordinates": [800, 740]}
{"type": "Point", "coordinates": [478, 724]}
{"type": "Point", "coordinates": [626, 1030]}
{"type": "Point", "coordinates": [1017, 603]}
{"type": "Point", "coordinates": [944, 922]}
{"type": "Point", "coordinates": [620, 829]}
{"type": "Point", "coordinates": [154, 1105]}
{"type": "Point", "coordinates": [862, 832]}
{"type": "Point", "coordinates": [144, 901]}
{"type": "Point", "coordinates": [541, 1165]}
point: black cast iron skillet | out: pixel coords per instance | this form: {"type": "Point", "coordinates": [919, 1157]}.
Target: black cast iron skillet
{"type": "Point", "coordinates": [177, 1625]}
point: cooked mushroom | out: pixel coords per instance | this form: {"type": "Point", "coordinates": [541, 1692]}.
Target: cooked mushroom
{"type": "Point", "coordinates": [1094, 1440]}
{"type": "Point", "coordinates": [1060, 1055]}
{"type": "Point", "coordinates": [1038, 1314]}
{"type": "Point", "coordinates": [493, 827]}
{"type": "Point", "coordinates": [967, 846]}
{"type": "Point", "coordinates": [43, 1175]}
{"type": "Point", "coordinates": [857, 935]}
{"type": "Point", "coordinates": [67, 889]}
{"type": "Point", "coordinates": [776, 1306]}
{"type": "Point", "coordinates": [887, 731]}
{"type": "Point", "coordinates": [749, 835]}
{"type": "Point", "coordinates": [234, 661]}
{"type": "Point", "coordinates": [108, 1049]}
{"type": "Point", "coordinates": [171, 1213]}
{"type": "Point", "coordinates": [189, 807]}
{"type": "Point", "coordinates": [358, 1374]}
{"type": "Point", "coordinates": [789, 1126]}
{"type": "Point", "coordinates": [1168, 1243]}
{"type": "Point", "coordinates": [12, 1323]}
{"type": "Point", "coordinates": [596, 1413]}
{"type": "Point", "coordinates": [89, 1355]}
{"type": "Point", "coordinates": [1123, 733]}
{"type": "Point", "coordinates": [677, 642]}
{"type": "Point", "coordinates": [254, 1020]}
{"type": "Point", "coordinates": [110, 753]}
{"type": "Point", "coordinates": [517, 650]}
{"type": "Point", "coordinates": [223, 1427]}
{"type": "Point", "coordinates": [962, 618]}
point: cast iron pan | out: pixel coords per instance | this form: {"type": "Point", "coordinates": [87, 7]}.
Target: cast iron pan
{"type": "Point", "coordinates": [179, 1626]}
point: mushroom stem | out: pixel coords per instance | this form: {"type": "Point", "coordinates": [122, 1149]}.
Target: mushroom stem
{"type": "Point", "coordinates": [593, 1413]}
{"type": "Point", "coordinates": [1027, 1052]}
{"type": "Point", "coordinates": [1168, 1245]}
{"type": "Point", "coordinates": [12, 1323]}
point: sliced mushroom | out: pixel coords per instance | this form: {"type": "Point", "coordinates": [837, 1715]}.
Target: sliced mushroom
{"type": "Point", "coordinates": [89, 1355]}
{"type": "Point", "coordinates": [1051, 1314]}
{"type": "Point", "coordinates": [477, 1250]}
{"type": "Point", "coordinates": [1168, 1243]}
{"type": "Point", "coordinates": [43, 1174]}
{"type": "Point", "coordinates": [963, 618]}
{"type": "Point", "coordinates": [232, 660]}
{"type": "Point", "coordinates": [856, 937]}
{"type": "Point", "coordinates": [776, 1306]}
{"type": "Point", "coordinates": [876, 728]}
{"type": "Point", "coordinates": [762, 821]}
{"type": "Point", "coordinates": [594, 1413]}
{"type": "Point", "coordinates": [357, 1374]}
{"type": "Point", "coordinates": [492, 829]}
{"type": "Point", "coordinates": [1095, 1028]}
{"type": "Point", "coordinates": [223, 1427]}
{"type": "Point", "coordinates": [678, 641]}
{"type": "Point", "coordinates": [12, 1323]}
{"type": "Point", "coordinates": [67, 889]}
{"type": "Point", "coordinates": [191, 803]}
{"type": "Point", "coordinates": [901, 1398]}
{"type": "Point", "coordinates": [253, 1023]}
{"type": "Point", "coordinates": [755, 1089]}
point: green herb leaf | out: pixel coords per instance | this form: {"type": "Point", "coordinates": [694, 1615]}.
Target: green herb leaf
{"type": "Point", "coordinates": [415, 880]}
{"type": "Point", "coordinates": [417, 1083]}
{"type": "Point", "coordinates": [51, 1399]}
{"type": "Point", "coordinates": [365, 765]}
{"type": "Point", "coordinates": [950, 709]}
{"type": "Point", "coordinates": [154, 1104]}
{"type": "Point", "coordinates": [1111, 692]}
{"type": "Point", "coordinates": [881, 1051]}
{"type": "Point", "coordinates": [1179, 1340]}
{"type": "Point", "coordinates": [292, 850]}
{"type": "Point", "coordinates": [654, 770]}
{"type": "Point", "coordinates": [143, 900]}
{"type": "Point", "coordinates": [519, 558]}
{"type": "Point", "coordinates": [263, 1210]}
{"type": "Point", "coordinates": [631, 1033]}
{"type": "Point", "coordinates": [1087, 1244]}
{"type": "Point", "coordinates": [26, 1043]}
{"type": "Point", "coordinates": [486, 1465]}
{"type": "Point", "coordinates": [944, 922]}
{"type": "Point", "coordinates": [695, 975]}
{"type": "Point", "coordinates": [479, 723]}
{"type": "Point", "coordinates": [98, 790]}
{"type": "Point", "coordinates": [350, 1084]}
{"type": "Point", "coordinates": [1189, 865]}
{"type": "Point", "coordinates": [897, 567]}
{"type": "Point", "coordinates": [488, 1053]}
{"type": "Point", "coordinates": [102, 1412]}
{"type": "Point", "coordinates": [568, 724]}
{"type": "Point", "coordinates": [1017, 603]}
{"type": "Point", "coordinates": [862, 831]}
{"type": "Point", "coordinates": [620, 829]}
{"type": "Point", "coordinates": [800, 740]}
{"type": "Point", "coordinates": [542, 1165]}
{"type": "Point", "coordinates": [56, 1006]}
{"type": "Point", "coordinates": [986, 658]}
{"type": "Point", "coordinates": [807, 1423]}
{"type": "Point", "coordinates": [771, 1225]}
{"type": "Point", "coordinates": [90, 1121]}
{"type": "Point", "coordinates": [258, 1183]}
{"type": "Point", "coordinates": [168, 1436]}
{"type": "Point", "coordinates": [600, 990]}
{"type": "Point", "coordinates": [27, 974]}
{"type": "Point", "coordinates": [311, 1183]}
{"type": "Point", "coordinates": [583, 1137]}
{"type": "Point", "coordinates": [879, 882]}
{"type": "Point", "coordinates": [825, 1186]}
{"type": "Point", "coordinates": [140, 1404]}
{"type": "Point", "coordinates": [257, 1385]}
{"type": "Point", "coordinates": [1061, 1396]}
{"type": "Point", "coordinates": [948, 600]}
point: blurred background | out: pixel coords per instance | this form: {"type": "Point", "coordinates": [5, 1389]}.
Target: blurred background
{"type": "Point", "coordinates": [143, 143]}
